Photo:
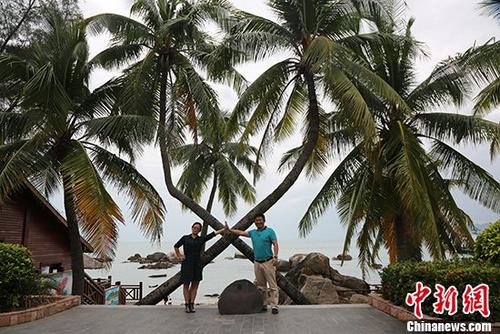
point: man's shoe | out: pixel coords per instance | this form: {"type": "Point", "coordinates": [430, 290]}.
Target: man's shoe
{"type": "Point", "coordinates": [264, 308]}
{"type": "Point", "coordinates": [275, 310]}
{"type": "Point", "coordinates": [191, 307]}
{"type": "Point", "coordinates": [187, 309]}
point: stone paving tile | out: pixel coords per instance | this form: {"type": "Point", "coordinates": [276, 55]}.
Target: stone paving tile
{"type": "Point", "coordinates": [338, 319]}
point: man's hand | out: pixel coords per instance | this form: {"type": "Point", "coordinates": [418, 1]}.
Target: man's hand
{"type": "Point", "coordinates": [275, 262]}
{"type": "Point", "coordinates": [226, 227]}
{"type": "Point", "coordinates": [181, 257]}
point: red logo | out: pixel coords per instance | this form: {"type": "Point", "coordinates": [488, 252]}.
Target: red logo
{"type": "Point", "coordinates": [474, 299]}
{"type": "Point", "coordinates": [417, 298]}
{"type": "Point", "coordinates": [446, 299]}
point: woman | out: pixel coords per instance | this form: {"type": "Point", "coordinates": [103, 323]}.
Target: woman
{"type": "Point", "coordinates": [191, 267]}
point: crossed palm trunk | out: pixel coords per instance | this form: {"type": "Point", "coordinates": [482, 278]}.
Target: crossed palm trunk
{"type": "Point", "coordinates": [173, 283]}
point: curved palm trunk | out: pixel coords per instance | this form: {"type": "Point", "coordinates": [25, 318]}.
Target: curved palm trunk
{"type": "Point", "coordinates": [210, 203]}
{"type": "Point", "coordinates": [312, 136]}
{"type": "Point", "coordinates": [406, 245]}
{"type": "Point", "coordinates": [75, 243]}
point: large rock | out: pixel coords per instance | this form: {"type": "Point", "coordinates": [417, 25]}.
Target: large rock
{"type": "Point", "coordinates": [283, 266]}
{"type": "Point", "coordinates": [319, 290]}
{"type": "Point", "coordinates": [135, 258]}
{"type": "Point", "coordinates": [296, 258]}
{"type": "Point", "coordinates": [312, 264]}
{"type": "Point", "coordinates": [356, 284]}
{"type": "Point", "coordinates": [240, 297]}
{"type": "Point", "coordinates": [317, 264]}
{"type": "Point", "coordinates": [325, 278]}
{"type": "Point", "coordinates": [156, 257]}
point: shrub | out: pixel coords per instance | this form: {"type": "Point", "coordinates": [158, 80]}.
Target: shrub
{"type": "Point", "coordinates": [18, 278]}
{"type": "Point", "coordinates": [487, 244]}
{"type": "Point", "coordinates": [399, 279]}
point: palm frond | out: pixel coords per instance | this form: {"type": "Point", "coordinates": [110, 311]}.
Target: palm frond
{"type": "Point", "coordinates": [98, 212]}
{"type": "Point", "coordinates": [19, 161]}
{"type": "Point", "coordinates": [332, 189]}
{"type": "Point", "coordinates": [128, 133]}
{"type": "Point", "coordinates": [488, 98]}
{"type": "Point", "coordinates": [477, 183]}
{"type": "Point", "coordinates": [148, 209]}
{"type": "Point", "coordinates": [458, 128]}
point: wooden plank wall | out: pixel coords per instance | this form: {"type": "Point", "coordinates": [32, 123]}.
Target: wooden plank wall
{"type": "Point", "coordinates": [11, 222]}
{"type": "Point", "coordinates": [26, 222]}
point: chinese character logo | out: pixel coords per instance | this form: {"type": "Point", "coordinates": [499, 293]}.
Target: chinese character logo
{"type": "Point", "coordinates": [476, 299]}
{"type": "Point", "coordinates": [417, 298]}
{"type": "Point", "coordinates": [473, 299]}
{"type": "Point", "coordinates": [446, 300]}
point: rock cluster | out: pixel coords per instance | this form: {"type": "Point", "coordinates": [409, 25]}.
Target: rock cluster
{"type": "Point", "coordinates": [321, 284]}
{"type": "Point", "coordinates": [157, 260]}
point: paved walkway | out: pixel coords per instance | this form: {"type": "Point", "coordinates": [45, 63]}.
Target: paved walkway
{"type": "Point", "coordinates": [320, 319]}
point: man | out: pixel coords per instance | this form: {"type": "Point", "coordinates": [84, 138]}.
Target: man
{"type": "Point", "coordinates": [264, 261]}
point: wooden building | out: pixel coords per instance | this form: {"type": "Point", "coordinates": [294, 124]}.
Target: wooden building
{"type": "Point", "coordinates": [29, 219]}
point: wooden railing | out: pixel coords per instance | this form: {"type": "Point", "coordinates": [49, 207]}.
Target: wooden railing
{"type": "Point", "coordinates": [122, 296]}
{"type": "Point", "coordinates": [105, 283]}
{"type": "Point", "coordinates": [93, 293]}
{"type": "Point", "coordinates": [133, 292]}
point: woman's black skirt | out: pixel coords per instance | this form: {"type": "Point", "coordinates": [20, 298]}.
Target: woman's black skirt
{"type": "Point", "coordinates": [191, 270]}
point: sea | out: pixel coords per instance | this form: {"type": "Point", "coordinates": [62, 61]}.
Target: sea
{"type": "Point", "coordinates": [224, 270]}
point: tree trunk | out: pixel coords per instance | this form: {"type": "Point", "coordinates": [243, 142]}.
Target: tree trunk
{"type": "Point", "coordinates": [210, 203]}
{"type": "Point", "coordinates": [407, 247]}
{"type": "Point", "coordinates": [74, 242]}
{"type": "Point", "coordinates": [312, 136]}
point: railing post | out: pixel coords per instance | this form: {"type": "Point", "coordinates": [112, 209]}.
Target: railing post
{"type": "Point", "coordinates": [140, 290]}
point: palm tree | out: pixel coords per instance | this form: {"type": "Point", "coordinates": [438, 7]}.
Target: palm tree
{"type": "Point", "coordinates": [217, 158]}
{"type": "Point", "coordinates": [51, 141]}
{"type": "Point", "coordinates": [394, 190]}
{"type": "Point", "coordinates": [313, 31]}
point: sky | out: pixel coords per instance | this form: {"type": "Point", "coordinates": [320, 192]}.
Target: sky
{"type": "Point", "coordinates": [445, 26]}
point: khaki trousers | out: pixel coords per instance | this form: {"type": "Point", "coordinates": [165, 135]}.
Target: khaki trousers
{"type": "Point", "coordinates": [265, 280]}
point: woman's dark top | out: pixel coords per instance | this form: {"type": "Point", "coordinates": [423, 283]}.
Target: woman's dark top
{"type": "Point", "coordinates": [191, 268]}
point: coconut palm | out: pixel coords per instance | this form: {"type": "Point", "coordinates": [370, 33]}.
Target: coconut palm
{"type": "Point", "coordinates": [217, 158]}
{"type": "Point", "coordinates": [53, 141]}
{"type": "Point", "coordinates": [396, 190]}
